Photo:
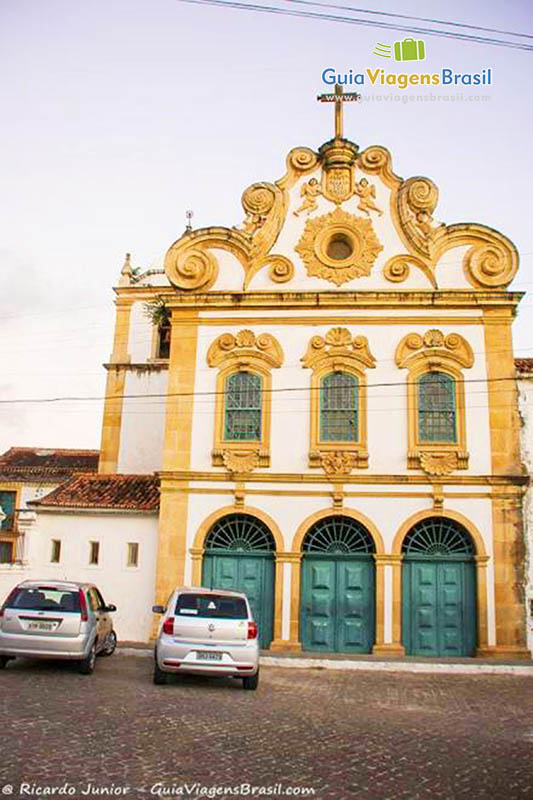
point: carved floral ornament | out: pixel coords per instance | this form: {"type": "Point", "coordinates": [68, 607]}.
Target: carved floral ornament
{"type": "Point", "coordinates": [338, 247]}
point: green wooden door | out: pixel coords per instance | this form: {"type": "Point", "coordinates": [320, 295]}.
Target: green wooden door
{"type": "Point", "coordinates": [253, 575]}
{"type": "Point", "coordinates": [439, 590]}
{"type": "Point", "coordinates": [338, 587]}
{"type": "Point", "coordinates": [338, 602]}
{"type": "Point", "coordinates": [239, 556]}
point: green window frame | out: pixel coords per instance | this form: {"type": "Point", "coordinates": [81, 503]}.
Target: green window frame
{"type": "Point", "coordinates": [339, 408]}
{"type": "Point", "coordinates": [243, 407]}
{"type": "Point", "coordinates": [437, 408]}
{"type": "Point", "coordinates": [7, 504]}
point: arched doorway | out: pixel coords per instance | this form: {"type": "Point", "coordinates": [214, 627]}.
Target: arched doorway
{"type": "Point", "coordinates": [239, 555]}
{"type": "Point", "coordinates": [438, 589]}
{"type": "Point", "coordinates": [338, 587]}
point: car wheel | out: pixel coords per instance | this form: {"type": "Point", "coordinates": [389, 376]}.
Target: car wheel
{"type": "Point", "coordinates": [3, 661]}
{"type": "Point", "coordinates": [160, 677]}
{"type": "Point", "coordinates": [110, 645]}
{"type": "Point", "coordinates": [251, 681]}
{"type": "Point", "coordinates": [86, 666]}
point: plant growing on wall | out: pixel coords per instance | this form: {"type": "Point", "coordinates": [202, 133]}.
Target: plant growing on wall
{"type": "Point", "coordinates": [158, 312]}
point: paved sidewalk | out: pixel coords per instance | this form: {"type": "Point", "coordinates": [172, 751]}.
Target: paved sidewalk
{"type": "Point", "coordinates": [336, 661]}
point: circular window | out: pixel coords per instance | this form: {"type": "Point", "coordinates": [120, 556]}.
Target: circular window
{"type": "Point", "coordinates": [339, 247]}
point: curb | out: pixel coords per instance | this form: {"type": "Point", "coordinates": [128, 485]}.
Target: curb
{"type": "Point", "coordinates": [372, 666]}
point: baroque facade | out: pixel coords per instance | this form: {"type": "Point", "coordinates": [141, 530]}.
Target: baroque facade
{"type": "Point", "coordinates": [326, 394]}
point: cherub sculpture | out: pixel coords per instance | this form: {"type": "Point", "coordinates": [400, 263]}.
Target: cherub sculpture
{"type": "Point", "coordinates": [309, 192]}
{"type": "Point", "coordinates": [366, 193]}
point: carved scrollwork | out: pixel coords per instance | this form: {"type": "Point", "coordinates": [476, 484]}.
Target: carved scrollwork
{"type": "Point", "coordinates": [280, 269]}
{"type": "Point", "coordinates": [432, 346]}
{"type": "Point", "coordinates": [489, 266]}
{"type": "Point", "coordinates": [243, 347]}
{"type": "Point", "coordinates": [437, 462]}
{"type": "Point", "coordinates": [397, 269]}
{"type": "Point", "coordinates": [338, 347]}
{"type": "Point", "coordinates": [302, 159]}
{"type": "Point", "coordinates": [192, 268]}
{"type": "Point", "coordinates": [240, 461]}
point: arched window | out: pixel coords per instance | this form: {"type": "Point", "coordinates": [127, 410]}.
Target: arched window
{"type": "Point", "coordinates": [242, 407]}
{"type": "Point", "coordinates": [339, 405]}
{"type": "Point", "coordinates": [437, 408]}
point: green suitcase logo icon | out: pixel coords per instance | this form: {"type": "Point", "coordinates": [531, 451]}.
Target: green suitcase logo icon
{"type": "Point", "coordinates": [409, 50]}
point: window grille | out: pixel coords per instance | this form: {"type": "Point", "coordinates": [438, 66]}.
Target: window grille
{"type": "Point", "coordinates": [243, 407]}
{"type": "Point", "coordinates": [339, 408]}
{"type": "Point", "coordinates": [436, 408]}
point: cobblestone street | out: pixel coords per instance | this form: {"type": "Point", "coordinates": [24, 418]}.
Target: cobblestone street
{"type": "Point", "coordinates": [344, 734]}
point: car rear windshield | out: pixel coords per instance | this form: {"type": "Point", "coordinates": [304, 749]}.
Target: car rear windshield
{"type": "Point", "coordinates": [44, 598]}
{"type": "Point", "coordinates": [211, 605]}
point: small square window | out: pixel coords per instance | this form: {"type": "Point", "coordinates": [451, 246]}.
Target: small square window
{"type": "Point", "coordinates": [94, 552]}
{"type": "Point", "coordinates": [55, 556]}
{"type": "Point", "coordinates": [133, 554]}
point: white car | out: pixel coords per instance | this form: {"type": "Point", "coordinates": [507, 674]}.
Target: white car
{"type": "Point", "coordinates": [207, 632]}
{"type": "Point", "coordinates": [56, 619]}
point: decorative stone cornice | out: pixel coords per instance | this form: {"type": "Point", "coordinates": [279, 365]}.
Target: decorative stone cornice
{"type": "Point", "coordinates": [434, 347]}
{"type": "Point", "coordinates": [243, 347]}
{"type": "Point", "coordinates": [337, 349]}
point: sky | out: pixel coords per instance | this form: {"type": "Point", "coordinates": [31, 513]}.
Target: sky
{"type": "Point", "coordinates": [119, 116]}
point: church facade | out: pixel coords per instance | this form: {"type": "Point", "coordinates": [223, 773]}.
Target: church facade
{"type": "Point", "coordinates": [327, 396]}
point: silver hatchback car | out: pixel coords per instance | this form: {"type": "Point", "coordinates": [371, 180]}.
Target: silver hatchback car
{"type": "Point", "coordinates": [56, 619]}
{"type": "Point", "coordinates": [207, 632]}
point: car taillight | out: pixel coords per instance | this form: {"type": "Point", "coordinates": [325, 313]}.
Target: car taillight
{"type": "Point", "coordinates": [83, 606]}
{"type": "Point", "coordinates": [10, 597]}
{"type": "Point", "coordinates": [168, 625]}
{"type": "Point", "coordinates": [252, 630]}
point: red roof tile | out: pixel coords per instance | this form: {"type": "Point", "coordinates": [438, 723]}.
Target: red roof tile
{"type": "Point", "coordinates": [133, 492]}
{"type": "Point", "coordinates": [39, 463]}
{"type": "Point", "coordinates": [524, 366]}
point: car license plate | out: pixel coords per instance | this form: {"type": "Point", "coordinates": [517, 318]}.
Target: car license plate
{"type": "Point", "coordinates": [208, 655]}
{"type": "Point", "coordinates": [41, 626]}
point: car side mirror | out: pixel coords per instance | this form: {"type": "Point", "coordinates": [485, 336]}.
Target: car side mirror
{"type": "Point", "coordinates": [158, 609]}
{"type": "Point", "coordinates": [111, 607]}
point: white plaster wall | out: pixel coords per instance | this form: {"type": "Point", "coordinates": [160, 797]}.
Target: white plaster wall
{"type": "Point", "coordinates": [141, 334]}
{"type": "Point", "coordinates": [525, 390]}
{"type": "Point", "coordinates": [386, 404]}
{"type": "Point", "coordinates": [143, 423]}
{"type": "Point", "coordinates": [131, 589]}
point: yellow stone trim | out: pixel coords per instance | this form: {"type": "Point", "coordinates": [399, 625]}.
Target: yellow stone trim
{"type": "Point", "coordinates": [338, 351]}
{"type": "Point", "coordinates": [112, 421]}
{"type": "Point", "coordinates": [343, 319]}
{"type": "Point", "coordinates": [243, 353]}
{"type": "Point", "coordinates": [173, 515]}
{"type": "Point", "coordinates": [512, 482]}
{"type": "Point", "coordinates": [420, 355]}
{"type": "Point", "coordinates": [328, 494]}
{"type": "Point", "coordinates": [507, 516]}
{"type": "Point", "coordinates": [115, 383]}
{"type": "Point", "coordinates": [294, 622]}
{"type": "Point", "coordinates": [336, 299]}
